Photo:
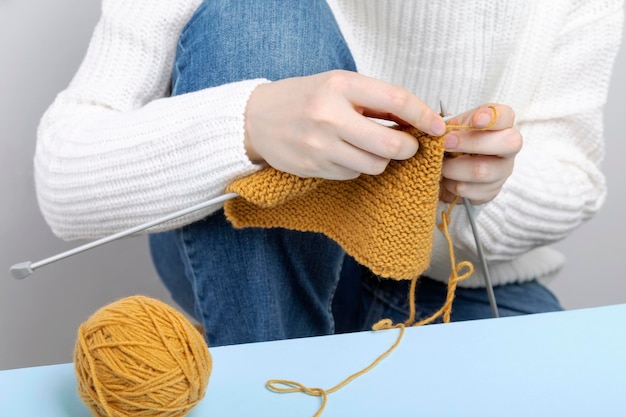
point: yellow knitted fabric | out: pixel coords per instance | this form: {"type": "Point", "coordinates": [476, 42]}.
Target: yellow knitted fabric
{"type": "Point", "coordinates": [386, 222]}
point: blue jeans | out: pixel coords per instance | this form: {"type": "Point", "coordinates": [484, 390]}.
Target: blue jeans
{"type": "Point", "coordinates": [253, 284]}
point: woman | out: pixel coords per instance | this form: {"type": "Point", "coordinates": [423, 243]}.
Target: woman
{"type": "Point", "coordinates": [177, 99]}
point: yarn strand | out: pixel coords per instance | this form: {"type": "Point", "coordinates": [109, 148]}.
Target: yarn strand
{"type": "Point", "coordinates": [285, 386]}
{"type": "Point", "coordinates": [455, 276]}
{"type": "Point", "coordinates": [293, 386]}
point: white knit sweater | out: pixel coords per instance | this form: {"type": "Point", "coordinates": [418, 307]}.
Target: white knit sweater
{"type": "Point", "coordinates": [115, 151]}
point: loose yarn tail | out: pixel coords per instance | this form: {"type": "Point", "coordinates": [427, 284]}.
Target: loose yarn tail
{"type": "Point", "coordinates": [293, 386]}
{"type": "Point", "coordinates": [283, 386]}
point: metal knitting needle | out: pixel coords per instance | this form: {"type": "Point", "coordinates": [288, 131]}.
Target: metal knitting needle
{"type": "Point", "coordinates": [479, 247]}
{"type": "Point", "coordinates": [24, 269]}
{"type": "Point", "coordinates": [483, 261]}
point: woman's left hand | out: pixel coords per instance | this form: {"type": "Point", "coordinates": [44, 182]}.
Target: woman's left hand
{"type": "Point", "coordinates": [483, 159]}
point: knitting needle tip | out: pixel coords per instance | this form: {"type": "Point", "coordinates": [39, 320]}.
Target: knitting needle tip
{"type": "Point", "coordinates": [21, 270]}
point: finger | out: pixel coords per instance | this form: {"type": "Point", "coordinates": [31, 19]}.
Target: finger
{"type": "Point", "coordinates": [488, 116]}
{"type": "Point", "coordinates": [477, 169]}
{"type": "Point", "coordinates": [357, 160]}
{"type": "Point", "coordinates": [445, 195]}
{"type": "Point", "coordinates": [329, 170]}
{"type": "Point", "coordinates": [504, 143]}
{"type": "Point", "coordinates": [341, 173]}
{"type": "Point", "coordinates": [476, 193]}
{"type": "Point", "coordinates": [379, 140]}
{"type": "Point", "coordinates": [371, 97]}
{"type": "Point", "coordinates": [337, 160]}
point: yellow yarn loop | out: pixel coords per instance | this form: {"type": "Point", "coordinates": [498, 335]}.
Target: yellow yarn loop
{"type": "Point", "coordinates": [140, 357]}
{"type": "Point", "coordinates": [293, 386]}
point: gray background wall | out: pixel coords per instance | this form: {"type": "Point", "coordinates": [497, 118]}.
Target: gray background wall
{"type": "Point", "coordinates": [41, 45]}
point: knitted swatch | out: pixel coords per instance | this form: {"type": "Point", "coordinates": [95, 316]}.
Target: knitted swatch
{"type": "Point", "coordinates": [386, 222]}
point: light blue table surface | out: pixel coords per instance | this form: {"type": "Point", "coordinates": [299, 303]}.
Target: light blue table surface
{"type": "Point", "coordinates": [557, 364]}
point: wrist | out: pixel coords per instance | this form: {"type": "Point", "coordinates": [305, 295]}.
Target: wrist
{"type": "Point", "coordinates": [251, 152]}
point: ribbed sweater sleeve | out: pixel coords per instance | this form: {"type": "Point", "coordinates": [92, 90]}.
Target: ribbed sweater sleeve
{"type": "Point", "coordinates": [115, 151]}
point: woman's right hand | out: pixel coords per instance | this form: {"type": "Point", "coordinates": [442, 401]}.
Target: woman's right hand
{"type": "Point", "coordinates": [320, 126]}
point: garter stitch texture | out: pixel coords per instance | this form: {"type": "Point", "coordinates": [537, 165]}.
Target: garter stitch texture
{"type": "Point", "coordinates": [386, 222]}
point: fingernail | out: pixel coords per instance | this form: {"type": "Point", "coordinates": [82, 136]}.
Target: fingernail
{"type": "Point", "coordinates": [438, 127]}
{"type": "Point", "coordinates": [483, 120]}
{"type": "Point", "coordinates": [450, 142]}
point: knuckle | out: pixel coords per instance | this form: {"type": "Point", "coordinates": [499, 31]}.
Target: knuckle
{"type": "Point", "coordinates": [458, 188]}
{"type": "Point", "coordinates": [312, 144]}
{"type": "Point", "coordinates": [398, 97]}
{"type": "Point", "coordinates": [316, 104]}
{"type": "Point", "coordinates": [481, 171]}
{"type": "Point", "coordinates": [392, 145]}
{"type": "Point", "coordinates": [317, 110]}
{"type": "Point", "coordinates": [338, 80]}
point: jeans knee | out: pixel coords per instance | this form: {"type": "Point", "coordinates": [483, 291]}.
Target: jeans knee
{"type": "Point", "coordinates": [233, 40]}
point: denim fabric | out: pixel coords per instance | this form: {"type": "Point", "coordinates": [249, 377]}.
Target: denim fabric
{"type": "Point", "coordinates": [233, 40]}
{"type": "Point", "coordinates": [254, 284]}
{"type": "Point", "coordinates": [368, 298]}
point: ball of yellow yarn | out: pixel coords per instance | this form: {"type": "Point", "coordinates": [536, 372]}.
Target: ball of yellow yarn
{"type": "Point", "coordinates": [140, 357]}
